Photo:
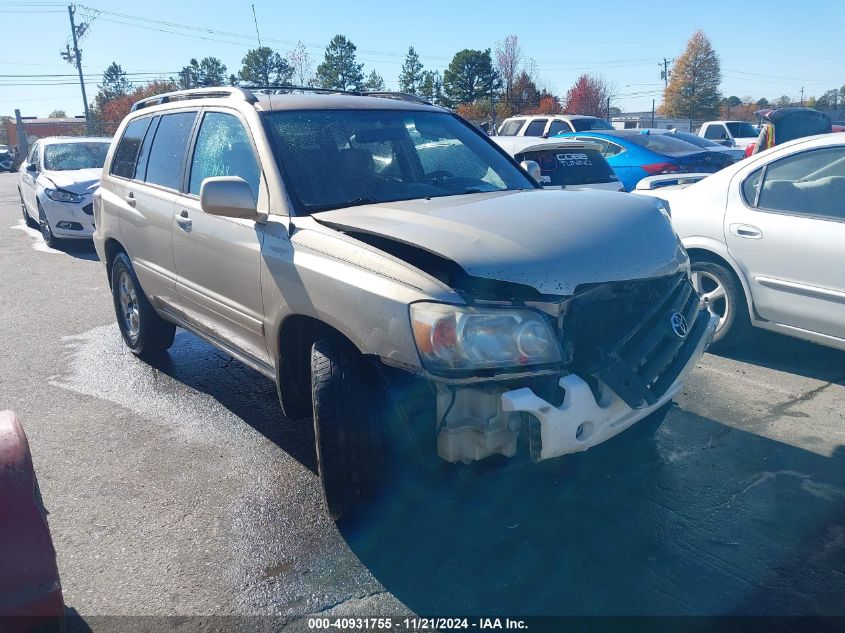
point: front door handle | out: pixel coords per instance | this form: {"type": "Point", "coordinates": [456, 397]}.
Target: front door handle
{"type": "Point", "coordinates": [183, 221]}
{"type": "Point", "coordinates": [129, 199]}
{"type": "Point", "coordinates": [746, 230]}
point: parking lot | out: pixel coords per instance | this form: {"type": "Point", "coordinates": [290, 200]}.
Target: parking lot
{"type": "Point", "coordinates": [180, 489]}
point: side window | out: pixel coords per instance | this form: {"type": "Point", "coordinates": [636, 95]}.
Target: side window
{"type": "Point", "coordinates": [33, 154]}
{"type": "Point", "coordinates": [612, 149]}
{"type": "Point", "coordinates": [558, 127]}
{"type": "Point", "coordinates": [123, 163]}
{"type": "Point", "coordinates": [223, 149]}
{"type": "Point", "coordinates": [809, 183]}
{"type": "Point", "coordinates": [536, 127]}
{"type": "Point", "coordinates": [164, 166]}
{"type": "Point", "coordinates": [144, 153]}
{"type": "Point", "coordinates": [511, 127]}
{"type": "Point", "coordinates": [716, 133]}
{"type": "Point", "coordinates": [750, 186]}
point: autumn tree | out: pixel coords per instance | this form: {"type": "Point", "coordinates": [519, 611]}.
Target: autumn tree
{"type": "Point", "coordinates": [469, 76]}
{"type": "Point", "coordinates": [263, 66]}
{"type": "Point", "coordinates": [302, 65]}
{"type": "Point", "coordinates": [508, 59]}
{"type": "Point", "coordinates": [339, 69]}
{"type": "Point", "coordinates": [589, 95]}
{"type": "Point", "coordinates": [109, 114]}
{"type": "Point", "coordinates": [693, 90]}
{"type": "Point", "coordinates": [411, 74]}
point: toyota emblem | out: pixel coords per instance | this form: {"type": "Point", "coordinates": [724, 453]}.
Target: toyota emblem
{"type": "Point", "coordinates": [679, 324]}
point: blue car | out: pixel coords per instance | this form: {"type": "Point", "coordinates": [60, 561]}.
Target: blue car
{"type": "Point", "coordinates": [637, 154]}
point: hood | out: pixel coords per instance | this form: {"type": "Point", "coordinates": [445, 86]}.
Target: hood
{"type": "Point", "coordinates": [552, 241]}
{"type": "Point", "coordinates": [76, 180]}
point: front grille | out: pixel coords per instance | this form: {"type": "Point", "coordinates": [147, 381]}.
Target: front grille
{"type": "Point", "coordinates": [89, 208]}
{"type": "Point", "coordinates": [622, 334]}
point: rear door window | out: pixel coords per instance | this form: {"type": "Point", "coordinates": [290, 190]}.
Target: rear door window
{"type": "Point", "coordinates": [511, 127]}
{"type": "Point", "coordinates": [536, 127]}
{"type": "Point", "coordinates": [126, 154]}
{"type": "Point", "coordinates": [810, 183]}
{"type": "Point", "coordinates": [570, 167]}
{"type": "Point", "coordinates": [167, 153]}
{"type": "Point", "coordinates": [559, 127]}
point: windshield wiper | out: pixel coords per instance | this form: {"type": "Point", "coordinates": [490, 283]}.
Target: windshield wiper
{"type": "Point", "coordinates": [355, 202]}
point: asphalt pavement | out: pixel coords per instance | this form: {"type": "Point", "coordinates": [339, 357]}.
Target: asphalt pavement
{"type": "Point", "coordinates": [180, 489]}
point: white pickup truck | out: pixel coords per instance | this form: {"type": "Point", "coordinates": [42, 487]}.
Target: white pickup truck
{"type": "Point", "coordinates": [729, 133]}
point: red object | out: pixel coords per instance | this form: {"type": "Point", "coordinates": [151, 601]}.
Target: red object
{"type": "Point", "coordinates": [750, 149]}
{"type": "Point", "coordinates": [837, 128]}
{"type": "Point", "coordinates": [30, 591]}
{"type": "Point", "coordinates": [661, 168]}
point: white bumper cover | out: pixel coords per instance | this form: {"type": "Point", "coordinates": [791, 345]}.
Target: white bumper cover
{"type": "Point", "coordinates": [59, 212]}
{"type": "Point", "coordinates": [582, 422]}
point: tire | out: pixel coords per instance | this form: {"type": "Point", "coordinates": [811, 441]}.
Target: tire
{"type": "Point", "coordinates": [648, 426]}
{"type": "Point", "coordinates": [725, 298]}
{"type": "Point", "coordinates": [144, 331]}
{"type": "Point", "coordinates": [46, 232]}
{"type": "Point", "coordinates": [26, 217]}
{"type": "Point", "coordinates": [348, 427]}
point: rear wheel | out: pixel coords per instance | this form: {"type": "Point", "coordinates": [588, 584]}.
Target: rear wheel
{"type": "Point", "coordinates": [143, 331]}
{"type": "Point", "coordinates": [349, 426]}
{"type": "Point", "coordinates": [724, 298]}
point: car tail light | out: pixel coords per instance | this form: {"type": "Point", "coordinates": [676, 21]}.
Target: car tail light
{"type": "Point", "coordinates": [661, 168]}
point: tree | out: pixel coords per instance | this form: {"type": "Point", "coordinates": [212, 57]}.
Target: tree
{"type": "Point", "coordinates": [110, 113]}
{"type": "Point", "coordinates": [265, 67]}
{"type": "Point", "coordinates": [302, 64]}
{"type": "Point", "coordinates": [469, 77]}
{"type": "Point", "coordinates": [733, 101]}
{"type": "Point", "coordinates": [508, 58]}
{"type": "Point", "coordinates": [762, 102]}
{"type": "Point", "coordinates": [588, 96]}
{"type": "Point", "coordinates": [525, 94]}
{"type": "Point", "coordinates": [58, 114]}
{"type": "Point", "coordinates": [693, 90]}
{"type": "Point", "coordinates": [207, 73]}
{"type": "Point", "coordinates": [431, 86]}
{"type": "Point", "coordinates": [829, 100]}
{"type": "Point", "coordinates": [374, 82]}
{"type": "Point", "coordinates": [339, 69]}
{"type": "Point", "coordinates": [115, 83]}
{"type": "Point", "coordinates": [783, 101]}
{"type": "Point", "coordinates": [412, 72]}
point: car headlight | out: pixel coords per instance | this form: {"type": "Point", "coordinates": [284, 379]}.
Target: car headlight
{"type": "Point", "coordinates": [60, 195]}
{"type": "Point", "coordinates": [461, 339]}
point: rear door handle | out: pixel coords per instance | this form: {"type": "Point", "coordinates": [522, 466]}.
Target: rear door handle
{"type": "Point", "coordinates": [183, 220]}
{"type": "Point", "coordinates": [129, 199]}
{"type": "Point", "coordinates": [746, 230]}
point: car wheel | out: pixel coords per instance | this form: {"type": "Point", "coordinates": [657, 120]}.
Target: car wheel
{"type": "Point", "coordinates": [349, 431]}
{"type": "Point", "coordinates": [26, 217]}
{"type": "Point", "coordinates": [648, 426]}
{"type": "Point", "coordinates": [46, 232]}
{"type": "Point", "coordinates": [723, 297]}
{"type": "Point", "coordinates": [143, 330]}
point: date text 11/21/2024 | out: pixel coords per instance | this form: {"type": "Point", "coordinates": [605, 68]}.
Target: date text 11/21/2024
{"type": "Point", "coordinates": [415, 624]}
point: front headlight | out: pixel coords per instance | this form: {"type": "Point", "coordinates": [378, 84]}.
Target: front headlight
{"type": "Point", "coordinates": [461, 339]}
{"type": "Point", "coordinates": [60, 195]}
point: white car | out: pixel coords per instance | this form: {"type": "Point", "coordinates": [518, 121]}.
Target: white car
{"type": "Point", "coordinates": [765, 237]}
{"type": "Point", "coordinates": [7, 160]}
{"type": "Point", "coordinates": [56, 183]}
{"type": "Point", "coordinates": [729, 133]}
{"type": "Point", "coordinates": [564, 163]}
{"type": "Point", "coordinates": [550, 124]}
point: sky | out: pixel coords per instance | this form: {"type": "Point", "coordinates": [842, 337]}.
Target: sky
{"type": "Point", "coordinates": [623, 42]}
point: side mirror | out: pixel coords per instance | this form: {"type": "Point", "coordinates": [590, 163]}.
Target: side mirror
{"type": "Point", "coordinates": [532, 168]}
{"type": "Point", "coordinates": [32, 167]}
{"type": "Point", "coordinates": [228, 196]}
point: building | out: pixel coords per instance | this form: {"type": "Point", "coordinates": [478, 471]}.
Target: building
{"type": "Point", "coordinates": [639, 120]}
{"type": "Point", "coordinates": [36, 128]}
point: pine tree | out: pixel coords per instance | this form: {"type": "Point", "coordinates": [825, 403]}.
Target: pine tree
{"type": "Point", "coordinates": [339, 70]}
{"type": "Point", "coordinates": [265, 67]}
{"type": "Point", "coordinates": [412, 71]}
{"type": "Point", "coordinates": [115, 84]}
{"type": "Point", "coordinates": [469, 77]}
{"type": "Point", "coordinates": [375, 82]}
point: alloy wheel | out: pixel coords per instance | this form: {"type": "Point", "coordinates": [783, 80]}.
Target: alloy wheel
{"type": "Point", "coordinates": [714, 297]}
{"type": "Point", "coordinates": [129, 311]}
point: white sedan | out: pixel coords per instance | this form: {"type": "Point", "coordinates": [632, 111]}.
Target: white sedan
{"type": "Point", "coordinates": [765, 237]}
{"type": "Point", "coordinates": [56, 184]}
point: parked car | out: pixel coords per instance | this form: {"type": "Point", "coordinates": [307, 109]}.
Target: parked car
{"type": "Point", "coordinates": [7, 159]}
{"type": "Point", "coordinates": [637, 154]}
{"type": "Point", "coordinates": [729, 133]}
{"type": "Point", "coordinates": [787, 124]}
{"type": "Point", "coordinates": [393, 270]}
{"type": "Point", "coordinates": [765, 238]}
{"type": "Point", "coordinates": [550, 124]}
{"type": "Point", "coordinates": [563, 164]}
{"type": "Point", "coordinates": [30, 590]}
{"type": "Point", "coordinates": [56, 184]}
{"type": "Point", "coordinates": [735, 153]}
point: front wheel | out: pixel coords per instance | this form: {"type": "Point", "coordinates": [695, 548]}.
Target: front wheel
{"type": "Point", "coordinates": [724, 298]}
{"type": "Point", "coordinates": [143, 331]}
{"type": "Point", "coordinates": [46, 232]}
{"type": "Point", "coordinates": [348, 426]}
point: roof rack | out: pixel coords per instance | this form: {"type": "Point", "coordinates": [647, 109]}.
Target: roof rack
{"type": "Point", "coordinates": [247, 94]}
{"type": "Point", "coordinates": [195, 93]}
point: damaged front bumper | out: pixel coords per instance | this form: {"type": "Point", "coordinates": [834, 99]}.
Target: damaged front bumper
{"type": "Point", "coordinates": [586, 417]}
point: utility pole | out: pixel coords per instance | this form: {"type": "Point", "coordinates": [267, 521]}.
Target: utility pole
{"type": "Point", "coordinates": [23, 143]}
{"type": "Point", "coordinates": [802, 96]}
{"type": "Point", "coordinates": [608, 108]}
{"type": "Point", "coordinates": [77, 59]}
{"type": "Point", "coordinates": [664, 74]}
{"type": "Point", "coordinates": [652, 113]}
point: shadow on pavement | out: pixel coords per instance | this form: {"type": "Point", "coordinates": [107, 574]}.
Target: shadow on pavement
{"type": "Point", "coordinates": [80, 249]}
{"type": "Point", "coordinates": [702, 519]}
